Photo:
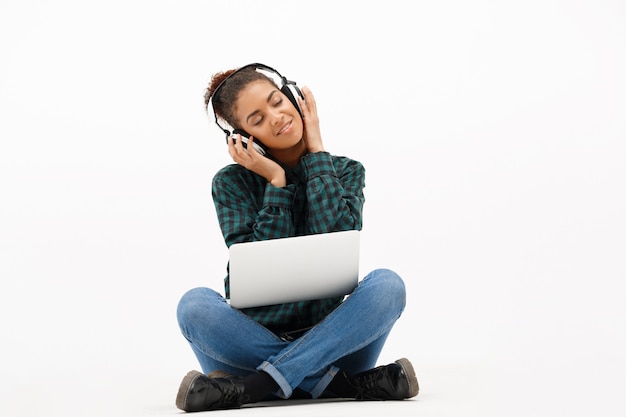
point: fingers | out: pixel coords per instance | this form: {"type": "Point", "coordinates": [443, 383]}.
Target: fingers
{"type": "Point", "coordinates": [308, 96]}
{"type": "Point", "coordinates": [243, 154]}
{"type": "Point", "coordinates": [235, 148]}
{"type": "Point", "coordinates": [308, 105]}
{"type": "Point", "coordinates": [250, 144]}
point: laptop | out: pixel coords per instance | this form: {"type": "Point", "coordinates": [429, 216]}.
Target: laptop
{"type": "Point", "coordinates": [293, 269]}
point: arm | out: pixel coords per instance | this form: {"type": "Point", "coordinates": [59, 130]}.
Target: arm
{"type": "Point", "coordinates": [334, 193]}
{"type": "Point", "coordinates": [248, 208]}
{"type": "Point", "coordinates": [334, 184]}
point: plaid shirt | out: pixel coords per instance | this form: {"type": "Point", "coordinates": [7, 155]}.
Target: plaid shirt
{"type": "Point", "coordinates": [324, 193]}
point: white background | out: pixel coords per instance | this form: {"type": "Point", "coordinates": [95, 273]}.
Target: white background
{"type": "Point", "coordinates": [494, 138]}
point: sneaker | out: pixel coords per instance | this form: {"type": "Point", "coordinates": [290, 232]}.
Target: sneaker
{"type": "Point", "coordinates": [199, 392]}
{"type": "Point", "coordinates": [396, 381]}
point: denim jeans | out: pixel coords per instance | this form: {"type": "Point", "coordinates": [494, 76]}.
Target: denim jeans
{"type": "Point", "coordinates": [349, 339]}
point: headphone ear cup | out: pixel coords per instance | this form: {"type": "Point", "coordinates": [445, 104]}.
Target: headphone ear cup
{"type": "Point", "coordinates": [292, 92]}
{"type": "Point", "coordinates": [245, 136]}
{"type": "Point", "coordinates": [241, 132]}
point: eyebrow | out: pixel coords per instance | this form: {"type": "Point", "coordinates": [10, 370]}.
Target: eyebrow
{"type": "Point", "coordinates": [269, 98]}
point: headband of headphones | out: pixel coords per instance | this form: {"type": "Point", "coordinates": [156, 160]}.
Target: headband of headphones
{"type": "Point", "coordinates": [287, 87]}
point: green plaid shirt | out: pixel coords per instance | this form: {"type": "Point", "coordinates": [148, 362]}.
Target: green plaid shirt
{"type": "Point", "coordinates": [324, 193]}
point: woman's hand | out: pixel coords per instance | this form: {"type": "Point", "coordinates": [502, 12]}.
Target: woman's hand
{"type": "Point", "coordinates": [255, 162]}
{"type": "Point", "coordinates": [312, 134]}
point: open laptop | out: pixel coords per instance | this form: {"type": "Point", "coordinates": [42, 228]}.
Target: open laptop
{"type": "Point", "coordinates": [293, 269]}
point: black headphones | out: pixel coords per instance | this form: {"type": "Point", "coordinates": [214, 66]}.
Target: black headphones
{"type": "Point", "coordinates": [287, 87]}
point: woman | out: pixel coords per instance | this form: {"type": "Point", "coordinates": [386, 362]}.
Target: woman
{"type": "Point", "coordinates": [291, 187]}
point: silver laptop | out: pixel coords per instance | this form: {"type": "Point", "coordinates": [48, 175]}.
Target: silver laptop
{"type": "Point", "coordinates": [293, 269]}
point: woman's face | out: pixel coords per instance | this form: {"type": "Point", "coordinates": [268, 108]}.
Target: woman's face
{"type": "Point", "coordinates": [266, 113]}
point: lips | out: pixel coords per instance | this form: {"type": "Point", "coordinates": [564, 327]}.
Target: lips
{"type": "Point", "coordinates": [285, 127]}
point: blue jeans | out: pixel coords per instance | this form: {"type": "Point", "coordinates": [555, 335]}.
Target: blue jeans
{"type": "Point", "coordinates": [349, 339]}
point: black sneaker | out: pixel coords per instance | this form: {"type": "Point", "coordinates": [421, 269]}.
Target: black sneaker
{"type": "Point", "coordinates": [199, 392]}
{"type": "Point", "coordinates": [396, 381]}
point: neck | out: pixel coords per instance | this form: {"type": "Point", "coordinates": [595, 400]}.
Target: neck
{"type": "Point", "coordinates": [290, 157]}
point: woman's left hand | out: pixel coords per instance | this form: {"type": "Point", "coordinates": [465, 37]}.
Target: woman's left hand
{"type": "Point", "coordinates": [312, 134]}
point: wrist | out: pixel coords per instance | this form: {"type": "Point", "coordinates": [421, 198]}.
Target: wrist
{"type": "Point", "coordinates": [279, 180]}
{"type": "Point", "coordinates": [278, 183]}
{"type": "Point", "coordinates": [316, 149]}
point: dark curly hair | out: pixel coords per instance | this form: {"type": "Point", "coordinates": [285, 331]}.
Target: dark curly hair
{"type": "Point", "coordinates": [228, 84]}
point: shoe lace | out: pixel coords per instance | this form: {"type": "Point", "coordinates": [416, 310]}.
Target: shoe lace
{"type": "Point", "coordinates": [230, 397]}
{"type": "Point", "coordinates": [369, 388]}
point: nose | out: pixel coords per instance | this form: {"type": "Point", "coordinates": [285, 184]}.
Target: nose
{"type": "Point", "coordinates": [275, 117]}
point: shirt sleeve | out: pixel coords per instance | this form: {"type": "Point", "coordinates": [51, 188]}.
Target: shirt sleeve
{"type": "Point", "coordinates": [334, 193]}
{"type": "Point", "coordinates": [250, 209]}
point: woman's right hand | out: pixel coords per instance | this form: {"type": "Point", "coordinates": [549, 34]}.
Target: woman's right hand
{"type": "Point", "coordinates": [255, 162]}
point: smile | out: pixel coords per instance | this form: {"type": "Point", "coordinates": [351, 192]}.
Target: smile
{"type": "Point", "coordinates": [284, 128]}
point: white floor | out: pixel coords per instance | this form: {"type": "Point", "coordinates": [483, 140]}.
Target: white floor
{"type": "Point", "coordinates": [494, 140]}
{"type": "Point", "coordinates": [446, 391]}
{"type": "Point", "coordinates": [545, 375]}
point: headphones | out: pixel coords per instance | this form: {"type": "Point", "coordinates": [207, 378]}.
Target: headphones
{"type": "Point", "coordinates": [287, 87]}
